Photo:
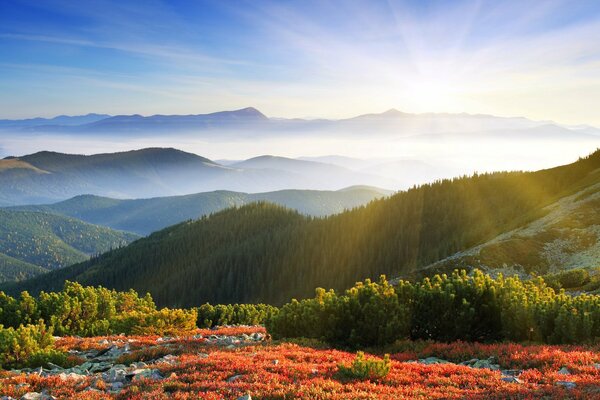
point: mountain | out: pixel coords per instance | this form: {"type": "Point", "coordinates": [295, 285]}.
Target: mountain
{"type": "Point", "coordinates": [177, 122]}
{"type": "Point", "coordinates": [46, 177]}
{"type": "Point", "coordinates": [61, 120]}
{"type": "Point", "coordinates": [263, 252]}
{"type": "Point", "coordinates": [32, 243]}
{"type": "Point", "coordinates": [144, 216]}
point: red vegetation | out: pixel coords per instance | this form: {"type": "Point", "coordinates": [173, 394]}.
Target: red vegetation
{"type": "Point", "coordinates": [290, 371]}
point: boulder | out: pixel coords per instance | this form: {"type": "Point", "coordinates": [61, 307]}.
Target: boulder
{"type": "Point", "coordinates": [511, 379]}
{"type": "Point", "coordinates": [245, 397]}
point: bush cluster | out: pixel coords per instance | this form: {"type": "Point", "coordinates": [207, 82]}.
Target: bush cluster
{"type": "Point", "coordinates": [461, 306]}
{"type": "Point", "coordinates": [93, 311]}
{"type": "Point", "coordinates": [26, 344]}
{"type": "Point", "coordinates": [233, 314]}
{"type": "Point", "coordinates": [365, 368]}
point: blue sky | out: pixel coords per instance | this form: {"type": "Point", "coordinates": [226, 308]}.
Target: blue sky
{"type": "Point", "coordinates": [539, 59]}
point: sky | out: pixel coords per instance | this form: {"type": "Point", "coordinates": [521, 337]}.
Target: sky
{"type": "Point", "coordinates": [331, 59]}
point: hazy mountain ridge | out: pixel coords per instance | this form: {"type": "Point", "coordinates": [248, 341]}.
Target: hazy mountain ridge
{"type": "Point", "coordinates": [45, 177]}
{"type": "Point", "coordinates": [247, 120]}
{"type": "Point", "coordinates": [143, 216]}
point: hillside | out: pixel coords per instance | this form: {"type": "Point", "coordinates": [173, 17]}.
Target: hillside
{"type": "Point", "coordinates": [566, 237]}
{"type": "Point", "coordinates": [32, 243]}
{"type": "Point", "coordinates": [144, 216]}
{"type": "Point", "coordinates": [265, 253]}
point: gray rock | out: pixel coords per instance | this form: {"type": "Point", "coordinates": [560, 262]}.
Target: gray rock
{"type": "Point", "coordinates": [275, 362]}
{"type": "Point", "coordinates": [566, 384]}
{"type": "Point", "coordinates": [257, 336]}
{"type": "Point", "coordinates": [564, 371]}
{"type": "Point", "coordinates": [37, 396]}
{"type": "Point", "coordinates": [433, 360]}
{"type": "Point", "coordinates": [7, 398]}
{"type": "Point", "coordinates": [245, 397]}
{"type": "Point", "coordinates": [71, 375]}
{"type": "Point", "coordinates": [490, 363]}
{"type": "Point", "coordinates": [511, 379]}
{"type": "Point", "coordinates": [511, 372]}
{"type": "Point", "coordinates": [115, 375]}
{"type": "Point", "coordinates": [147, 374]}
{"type": "Point", "coordinates": [234, 378]}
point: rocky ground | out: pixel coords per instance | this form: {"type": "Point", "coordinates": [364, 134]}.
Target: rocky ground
{"type": "Point", "coordinates": [239, 363]}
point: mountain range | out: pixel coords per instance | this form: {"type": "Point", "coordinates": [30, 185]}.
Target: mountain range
{"type": "Point", "coordinates": [46, 176]}
{"type": "Point", "coordinates": [251, 122]}
{"type": "Point", "coordinates": [266, 253]}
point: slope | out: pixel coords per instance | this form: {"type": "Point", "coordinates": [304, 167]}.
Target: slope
{"type": "Point", "coordinates": [567, 237]}
{"type": "Point", "coordinates": [263, 252]}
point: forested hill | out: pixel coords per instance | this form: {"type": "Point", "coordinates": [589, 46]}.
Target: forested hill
{"type": "Point", "coordinates": [32, 243]}
{"type": "Point", "coordinates": [262, 252]}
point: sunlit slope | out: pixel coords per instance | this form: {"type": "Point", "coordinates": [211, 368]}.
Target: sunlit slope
{"type": "Point", "coordinates": [32, 242]}
{"type": "Point", "coordinates": [262, 252]}
{"type": "Point", "coordinates": [567, 237]}
{"type": "Point", "coordinates": [144, 216]}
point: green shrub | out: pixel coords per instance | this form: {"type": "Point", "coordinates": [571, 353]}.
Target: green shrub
{"type": "Point", "coordinates": [363, 368]}
{"type": "Point", "coordinates": [233, 314]}
{"type": "Point", "coordinates": [18, 345]}
{"type": "Point", "coordinates": [160, 322]}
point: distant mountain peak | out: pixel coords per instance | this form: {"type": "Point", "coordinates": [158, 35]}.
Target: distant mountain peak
{"type": "Point", "coordinates": [393, 112]}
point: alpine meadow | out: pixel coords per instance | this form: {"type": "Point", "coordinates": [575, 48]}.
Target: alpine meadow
{"type": "Point", "coordinates": [233, 200]}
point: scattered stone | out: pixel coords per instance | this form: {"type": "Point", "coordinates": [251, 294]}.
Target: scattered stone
{"type": "Point", "coordinates": [37, 396]}
{"type": "Point", "coordinates": [566, 384]}
{"type": "Point", "coordinates": [275, 362]}
{"type": "Point", "coordinates": [245, 397]}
